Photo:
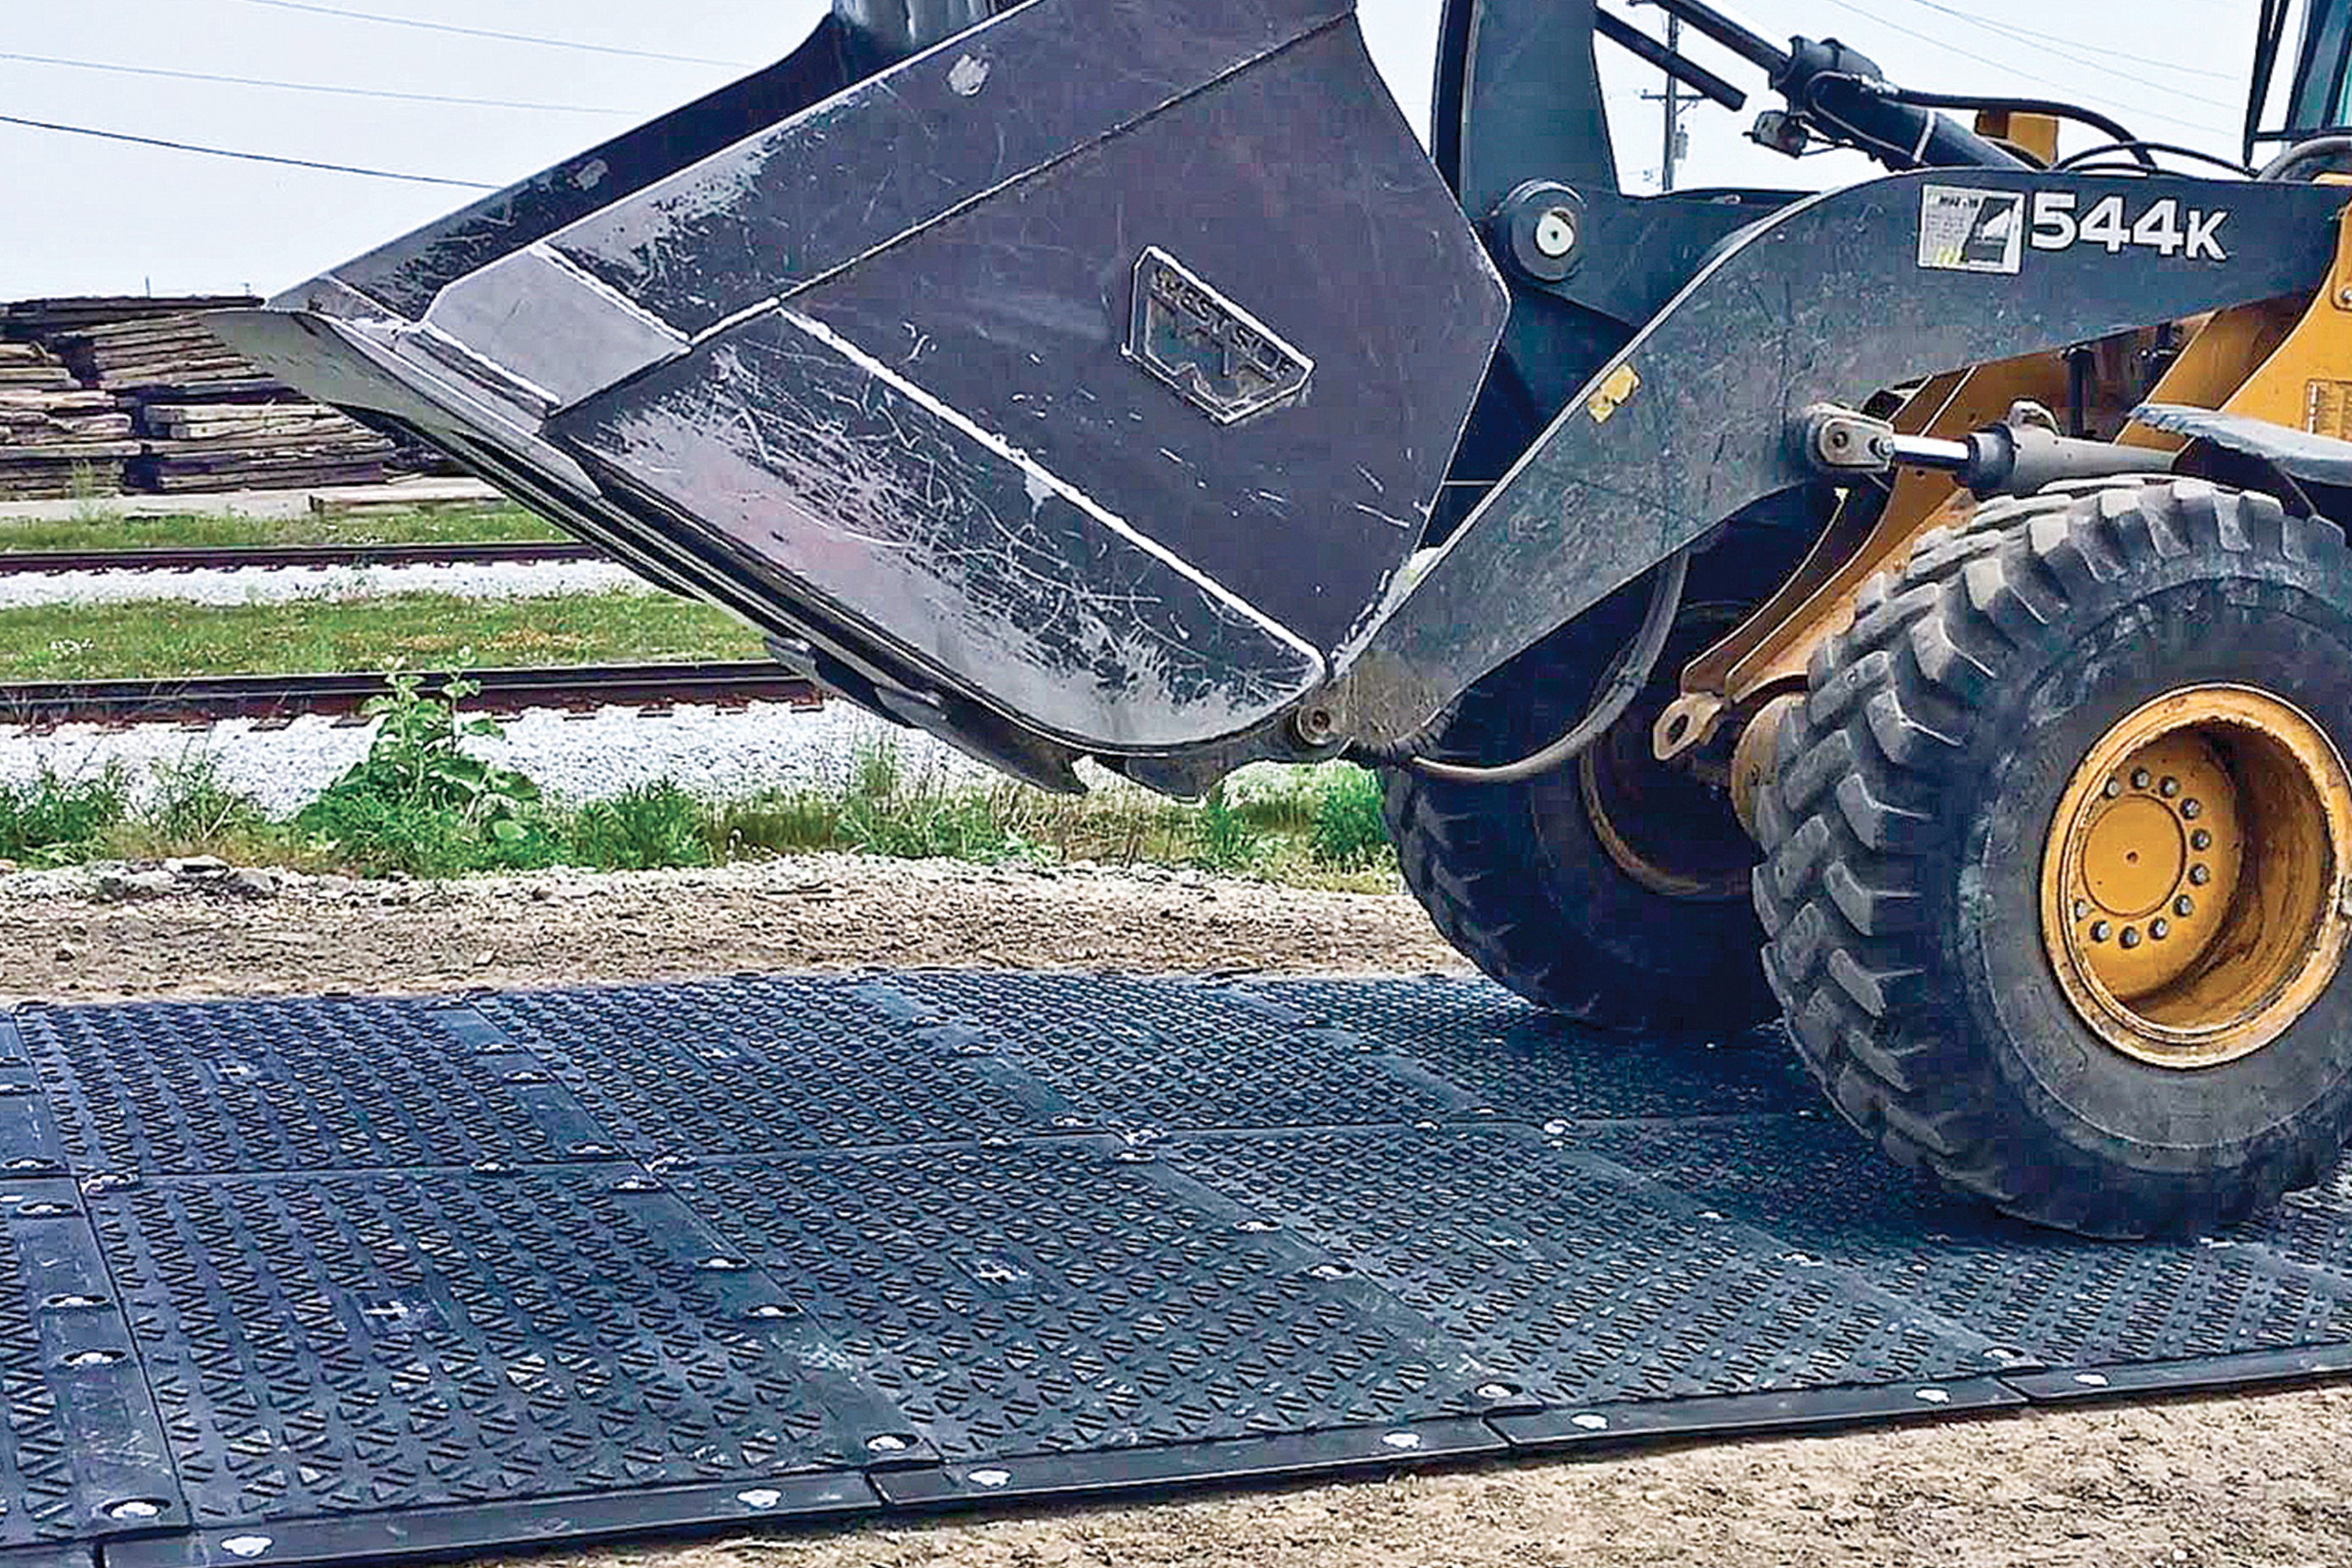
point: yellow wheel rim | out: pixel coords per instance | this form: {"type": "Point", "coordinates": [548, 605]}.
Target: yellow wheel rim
{"type": "Point", "coordinates": [2194, 899]}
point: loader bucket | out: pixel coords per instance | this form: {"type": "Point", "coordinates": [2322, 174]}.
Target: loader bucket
{"type": "Point", "coordinates": [1068, 380]}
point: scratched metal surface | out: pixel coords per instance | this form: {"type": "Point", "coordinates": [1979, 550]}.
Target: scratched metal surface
{"type": "Point", "coordinates": [304, 1281]}
{"type": "Point", "coordinates": [890, 156]}
{"type": "Point", "coordinates": [1072, 539]}
{"type": "Point", "coordinates": [1345, 247]}
{"type": "Point", "coordinates": [884, 508]}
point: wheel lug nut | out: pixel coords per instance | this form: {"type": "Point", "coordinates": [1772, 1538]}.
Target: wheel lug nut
{"type": "Point", "coordinates": [2130, 937]}
{"type": "Point", "coordinates": [2184, 906]}
{"type": "Point", "coordinates": [2139, 778]}
{"type": "Point", "coordinates": [2191, 810]}
{"type": "Point", "coordinates": [2158, 929]}
{"type": "Point", "coordinates": [2168, 788]}
{"type": "Point", "coordinates": [2082, 908]}
{"type": "Point", "coordinates": [2098, 931]}
{"type": "Point", "coordinates": [2200, 875]}
{"type": "Point", "coordinates": [2200, 840]}
{"type": "Point", "coordinates": [2114, 787]}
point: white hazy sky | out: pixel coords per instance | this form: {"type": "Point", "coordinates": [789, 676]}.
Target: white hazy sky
{"type": "Point", "coordinates": [84, 217]}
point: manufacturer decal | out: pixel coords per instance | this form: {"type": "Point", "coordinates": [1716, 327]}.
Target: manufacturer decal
{"type": "Point", "coordinates": [1966, 230]}
{"type": "Point", "coordinates": [1215, 355]}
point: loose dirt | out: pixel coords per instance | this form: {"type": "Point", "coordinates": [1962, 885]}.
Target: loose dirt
{"type": "Point", "coordinates": [2245, 1480]}
{"type": "Point", "coordinates": [827, 911]}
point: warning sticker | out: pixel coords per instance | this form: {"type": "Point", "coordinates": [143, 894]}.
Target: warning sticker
{"type": "Point", "coordinates": [1964, 230]}
{"type": "Point", "coordinates": [2327, 408]}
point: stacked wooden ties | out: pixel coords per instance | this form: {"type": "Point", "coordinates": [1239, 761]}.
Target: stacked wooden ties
{"type": "Point", "coordinates": [154, 401]}
{"type": "Point", "coordinates": [209, 419]}
{"type": "Point", "coordinates": [57, 437]}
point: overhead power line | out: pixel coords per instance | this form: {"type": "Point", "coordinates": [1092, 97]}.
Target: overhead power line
{"type": "Point", "coordinates": [249, 157]}
{"type": "Point", "coordinates": [488, 33]}
{"type": "Point", "coordinates": [2137, 110]}
{"type": "Point", "coordinates": [2098, 48]}
{"type": "Point", "coordinates": [308, 86]}
{"type": "Point", "coordinates": [2052, 43]}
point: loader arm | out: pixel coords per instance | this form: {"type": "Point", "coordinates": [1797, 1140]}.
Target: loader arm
{"type": "Point", "coordinates": [1864, 288]}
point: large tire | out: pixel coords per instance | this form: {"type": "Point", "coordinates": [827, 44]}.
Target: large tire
{"type": "Point", "coordinates": [1907, 824]}
{"type": "Point", "coordinates": [1523, 879]}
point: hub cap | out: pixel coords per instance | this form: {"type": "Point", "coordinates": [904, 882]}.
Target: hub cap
{"type": "Point", "coordinates": [2193, 892]}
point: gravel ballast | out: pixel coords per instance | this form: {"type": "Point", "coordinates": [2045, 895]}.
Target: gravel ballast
{"type": "Point", "coordinates": [718, 752]}
{"type": "Point", "coordinates": [249, 585]}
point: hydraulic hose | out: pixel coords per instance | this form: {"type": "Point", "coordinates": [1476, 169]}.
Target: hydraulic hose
{"type": "Point", "coordinates": [2105, 150]}
{"type": "Point", "coordinates": [2049, 106]}
{"type": "Point", "coordinates": [2302, 152]}
{"type": "Point", "coordinates": [1630, 672]}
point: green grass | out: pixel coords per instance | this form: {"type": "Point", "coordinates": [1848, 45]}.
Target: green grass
{"type": "Point", "coordinates": [370, 824]}
{"type": "Point", "coordinates": [646, 827]}
{"type": "Point", "coordinates": [100, 528]}
{"type": "Point", "coordinates": [1347, 832]}
{"type": "Point", "coordinates": [54, 819]}
{"type": "Point", "coordinates": [93, 499]}
{"type": "Point", "coordinates": [162, 639]}
{"type": "Point", "coordinates": [1307, 830]}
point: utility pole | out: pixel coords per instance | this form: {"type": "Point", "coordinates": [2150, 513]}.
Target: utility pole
{"type": "Point", "coordinates": [1673, 109]}
{"type": "Point", "coordinates": [1671, 152]}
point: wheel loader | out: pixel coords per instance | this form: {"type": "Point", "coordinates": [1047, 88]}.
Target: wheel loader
{"type": "Point", "coordinates": [1929, 585]}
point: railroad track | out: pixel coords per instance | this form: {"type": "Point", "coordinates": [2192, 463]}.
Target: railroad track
{"type": "Point", "coordinates": [279, 699]}
{"type": "Point", "coordinates": [296, 557]}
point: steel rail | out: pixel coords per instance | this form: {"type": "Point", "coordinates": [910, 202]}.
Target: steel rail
{"type": "Point", "coordinates": [296, 557]}
{"type": "Point", "coordinates": [45, 704]}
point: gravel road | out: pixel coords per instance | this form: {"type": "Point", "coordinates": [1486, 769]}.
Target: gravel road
{"type": "Point", "coordinates": [2245, 1480]}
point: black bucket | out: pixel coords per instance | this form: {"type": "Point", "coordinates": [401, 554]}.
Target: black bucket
{"type": "Point", "coordinates": [1077, 382]}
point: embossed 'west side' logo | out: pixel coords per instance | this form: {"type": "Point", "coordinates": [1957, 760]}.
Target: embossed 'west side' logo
{"type": "Point", "coordinates": [1212, 354]}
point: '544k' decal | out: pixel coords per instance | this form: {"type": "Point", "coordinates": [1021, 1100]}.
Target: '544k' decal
{"type": "Point", "coordinates": [1964, 229]}
{"type": "Point", "coordinates": [2163, 226]}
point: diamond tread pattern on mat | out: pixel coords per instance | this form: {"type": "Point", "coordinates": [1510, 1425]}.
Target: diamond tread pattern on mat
{"type": "Point", "coordinates": [30, 1148]}
{"type": "Point", "coordinates": [373, 1340]}
{"type": "Point", "coordinates": [1143, 1054]}
{"type": "Point", "coordinates": [303, 1085]}
{"type": "Point", "coordinates": [2062, 1299]}
{"type": "Point", "coordinates": [1536, 1067]}
{"type": "Point", "coordinates": [1578, 1282]}
{"type": "Point", "coordinates": [1056, 1296]}
{"type": "Point", "coordinates": [81, 1453]}
{"type": "Point", "coordinates": [892, 1217]}
{"type": "Point", "coordinates": [756, 1065]}
{"type": "Point", "coordinates": [40, 1498]}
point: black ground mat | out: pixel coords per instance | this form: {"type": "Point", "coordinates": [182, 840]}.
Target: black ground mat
{"type": "Point", "coordinates": [289, 1282]}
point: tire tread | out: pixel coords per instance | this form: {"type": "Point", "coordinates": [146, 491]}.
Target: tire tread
{"type": "Point", "coordinates": [1860, 770]}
